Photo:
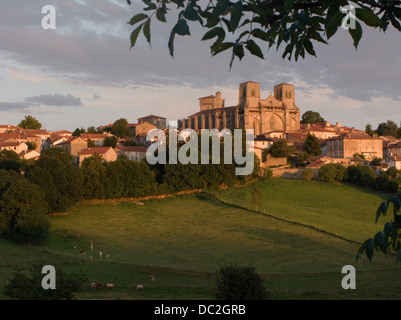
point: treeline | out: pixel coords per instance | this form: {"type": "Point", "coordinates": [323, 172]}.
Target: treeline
{"type": "Point", "coordinates": [361, 175]}
{"type": "Point", "coordinates": [54, 183]}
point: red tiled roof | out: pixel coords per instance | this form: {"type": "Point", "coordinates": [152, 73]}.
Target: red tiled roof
{"type": "Point", "coordinates": [132, 148]}
{"type": "Point", "coordinates": [98, 150]}
{"type": "Point", "coordinates": [152, 116]}
{"type": "Point", "coordinates": [93, 135]}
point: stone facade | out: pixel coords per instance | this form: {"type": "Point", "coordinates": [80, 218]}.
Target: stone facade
{"type": "Point", "coordinates": [346, 145]}
{"type": "Point", "coordinates": [275, 113]}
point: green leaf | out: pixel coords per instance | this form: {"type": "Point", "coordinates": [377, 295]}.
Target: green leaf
{"type": "Point", "coordinates": [254, 48]}
{"type": "Point", "coordinates": [146, 30]}
{"type": "Point", "coordinates": [369, 248]}
{"type": "Point", "coordinates": [221, 47]}
{"type": "Point", "coordinates": [360, 251]}
{"type": "Point", "coordinates": [134, 35]}
{"type": "Point", "coordinates": [181, 28]}
{"type": "Point", "coordinates": [356, 33]}
{"type": "Point", "coordinates": [191, 14]}
{"type": "Point", "coordinates": [171, 42]}
{"type": "Point", "coordinates": [217, 31]}
{"type": "Point", "coordinates": [236, 14]}
{"type": "Point", "coordinates": [288, 5]}
{"type": "Point", "coordinates": [239, 51]}
{"type": "Point", "coordinates": [129, 2]}
{"type": "Point", "coordinates": [137, 18]}
{"type": "Point", "coordinates": [258, 33]}
{"type": "Point", "coordinates": [161, 14]}
{"type": "Point", "coordinates": [381, 241]}
{"type": "Point", "coordinates": [333, 24]}
{"type": "Point", "coordinates": [382, 209]}
{"type": "Point", "coordinates": [396, 202]}
{"type": "Point", "coordinates": [368, 16]}
{"type": "Point", "coordinates": [309, 47]}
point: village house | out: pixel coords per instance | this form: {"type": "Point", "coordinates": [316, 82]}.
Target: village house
{"type": "Point", "coordinates": [107, 154]}
{"type": "Point", "coordinates": [17, 147]}
{"type": "Point", "coordinates": [54, 140]}
{"type": "Point", "coordinates": [157, 121]}
{"type": "Point", "coordinates": [393, 149]}
{"type": "Point", "coordinates": [394, 161]}
{"type": "Point", "coordinates": [135, 153]}
{"type": "Point", "coordinates": [73, 146]}
{"type": "Point", "coordinates": [97, 138]}
{"type": "Point", "coordinates": [348, 144]}
{"type": "Point", "coordinates": [29, 154]}
{"type": "Point", "coordinates": [7, 128]}
{"type": "Point", "coordinates": [138, 129]}
{"type": "Point", "coordinates": [37, 137]}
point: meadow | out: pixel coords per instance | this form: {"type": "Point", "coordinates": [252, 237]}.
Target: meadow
{"type": "Point", "coordinates": [297, 234]}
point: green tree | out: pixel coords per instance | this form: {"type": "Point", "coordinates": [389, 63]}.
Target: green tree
{"type": "Point", "coordinates": [30, 122]}
{"type": "Point", "coordinates": [9, 160]}
{"type": "Point", "coordinates": [240, 283]}
{"type": "Point", "coordinates": [56, 173]}
{"type": "Point", "coordinates": [281, 149]}
{"type": "Point", "coordinates": [26, 284]}
{"type": "Point", "coordinates": [311, 117]}
{"type": "Point", "coordinates": [312, 146]}
{"type": "Point", "coordinates": [95, 178]}
{"type": "Point", "coordinates": [121, 129]}
{"type": "Point", "coordinates": [22, 209]}
{"type": "Point", "coordinates": [77, 132]}
{"type": "Point", "coordinates": [294, 25]}
{"type": "Point", "coordinates": [369, 130]}
{"type": "Point", "coordinates": [110, 141]}
{"type": "Point", "coordinates": [388, 128]}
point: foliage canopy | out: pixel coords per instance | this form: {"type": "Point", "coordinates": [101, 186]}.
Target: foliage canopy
{"type": "Point", "coordinates": [296, 25]}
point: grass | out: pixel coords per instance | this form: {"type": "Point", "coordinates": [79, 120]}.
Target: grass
{"type": "Point", "coordinates": [185, 239]}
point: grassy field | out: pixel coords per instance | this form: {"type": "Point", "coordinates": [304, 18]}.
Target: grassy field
{"type": "Point", "coordinates": [185, 239]}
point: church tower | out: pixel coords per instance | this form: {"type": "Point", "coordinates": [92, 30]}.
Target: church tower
{"type": "Point", "coordinates": [285, 92]}
{"type": "Point", "coordinates": [249, 95]}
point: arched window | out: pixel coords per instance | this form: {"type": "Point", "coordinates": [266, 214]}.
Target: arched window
{"type": "Point", "coordinates": [289, 95]}
{"type": "Point", "coordinates": [272, 123]}
{"type": "Point", "coordinates": [286, 94]}
{"type": "Point", "coordinates": [253, 93]}
{"type": "Point", "coordinates": [244, 91]}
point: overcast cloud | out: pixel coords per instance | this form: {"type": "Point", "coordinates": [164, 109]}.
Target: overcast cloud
{"type": "Point", "coordinates": [89, 52]}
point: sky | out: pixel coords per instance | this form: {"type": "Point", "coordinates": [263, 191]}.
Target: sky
{"type": "Point", "coordinates": [83, 73]}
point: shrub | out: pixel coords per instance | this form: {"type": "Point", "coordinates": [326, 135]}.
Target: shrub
{"type": "Point", "coordinates": [390, 186]}
{"type": "Point", "coordinates": [240, 283]}
{"type": "Point", "coordinates": [267, 174]}
{"type": "Point", "coordinates": [361, 175]}
{"type": "Point", "coordinates": [27, 284]}
{"type": "Point", "coordinates": [308, 174]}
{"type": "Point", "coordinates": [328, 173]}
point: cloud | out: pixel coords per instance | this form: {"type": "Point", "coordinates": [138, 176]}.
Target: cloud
{"type": "Point", "coordinates": [56, 100]}
{"type": "Point", "coordinates": [15, 106]}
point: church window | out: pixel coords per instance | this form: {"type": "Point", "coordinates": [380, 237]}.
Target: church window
{"type": "Point", "coordinates": [281, 94]}
{"type": "Point", "coordinates": [244, 92]}
{"type": "Point", "coordinates": [289, 95]}
{"type": "Point", "coordinates": [272, 123]}
{"type": "Point", "coordinates": [253, 93]}
{"type": "Point", "coordinates": [286, 94]}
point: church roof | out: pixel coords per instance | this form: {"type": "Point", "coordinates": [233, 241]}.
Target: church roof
{"type": "Point", "coordinates": [206, 112]}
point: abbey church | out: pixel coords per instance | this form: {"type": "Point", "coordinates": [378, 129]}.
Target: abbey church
{"type": "Point", "coordinates": [277, 112]}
